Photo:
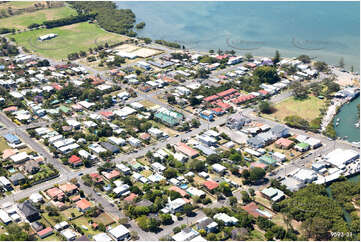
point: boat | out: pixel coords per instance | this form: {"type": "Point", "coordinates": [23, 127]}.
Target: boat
{"type": "Point", "coordinates": [337, 123]}
{"type": "Point", "coordinates": [338, 120]}
{"type": "Point", "coordinates": [357, 125]}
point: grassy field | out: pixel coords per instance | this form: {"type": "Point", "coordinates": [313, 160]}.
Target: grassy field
{"type": "Point", "coordinates": [70, 39]}
{"type": "Point", "coordinates": [24, 20]}
{"type": "Point", "coordinates": [17, 5]}
{"type": "Point", "coordinates": [307, 108]}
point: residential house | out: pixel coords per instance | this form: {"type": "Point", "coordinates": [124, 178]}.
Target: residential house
{"type": "Point", "coordinates": [83, 205]}
{"type": "Point", "coordinates": [185, 149]}
{"type": "Point", "coordinates": [280, 131]}
{"type": "Point", "coordinates": [283, 143]}
{"type": "Point", "coordinates": [119, 233]}
{"type": "Point", "coordinates": [273, 194]}
{"type": "Point", "coordinates": [30, 212]}
{"type": "Point", "coordinates": [226, 219]}
{"type": "Point", "coordinates": [75, 161]}
{"type": "Point", "coordinates": [17, 179]}
{"type": "Point", "coordinates": [207, 224]}
{"type": "Point", "coordinates": [210, 185]}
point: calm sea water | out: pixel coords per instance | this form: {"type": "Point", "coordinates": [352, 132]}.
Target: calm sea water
{"type": "Point", "coordinates": [326, 30]}
{"type": "Point", "coordinates": [348, 117]}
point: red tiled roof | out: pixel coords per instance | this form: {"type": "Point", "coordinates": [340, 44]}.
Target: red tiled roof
{"type": "Point", "coordinates": [259, 165]}
{"type": "Point", "coordinates": [131, 197]}
{"type": "Point", "coordinates": [210, 98]}
{"type": "Point", "coordinates": [111, 175]}
{"type": "Point", "coordinates": [185, 149]}
{"type": "Point", "coordinates": [83, 204]}
{"type": "Point", "coordinates": [210, 185]}
{"type": "Point", "coordinates": [223, 105]}
{"type": "Point", "coordinates": [179, 190]}
{"type": "Point", "coordinates": [227, 92]}
{"type": "Point", "coordinates": [284, 142]}
{"type": "Point", "coordinates": [221, 57]}
{"type": "Point", "coordinates": [74, 159]}
{"type": "Point", "coordinates": [56, 86]}
{"type": "Point", "coordinates": [96, 177]}
{"type": "Point", "coordinates": [55, 192]}
{"type": "Point", "coordinates": [263, 92]}
{"type": "Point", "coordinates": [217, 110]}
{"type": "Point", "coordinates": [107, 114]}
{"type": "Point", "coordinates": [10, 109]}
{"type": "Point", "coordinates": [45, 231]}
{"type": "Point", "coordinates": [251, 208]}
{"type": "Point", "coordinates": [68, 187]}
{"type": "Point", "coordinates": [243, 98]}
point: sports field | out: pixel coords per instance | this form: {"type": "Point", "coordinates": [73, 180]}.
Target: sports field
{"type": "Point", "coordinates": [24, 20]}
{"type": "Point", "coordinates": [307, 108]}
{"type": "Point", "coordinates": [70, 39]}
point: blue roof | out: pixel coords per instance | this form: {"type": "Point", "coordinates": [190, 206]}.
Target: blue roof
{"type": "Point", "coordinates": [10, 138]}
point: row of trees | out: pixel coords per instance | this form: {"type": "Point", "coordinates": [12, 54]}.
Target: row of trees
{"type": "Point", "coordinates": [68, 20]}
{"type": "Point", "coordinates": [110, 18]}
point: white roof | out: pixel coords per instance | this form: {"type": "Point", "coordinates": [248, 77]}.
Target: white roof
{"type": "Point", "coordinates": [225, 218]}
{"type": "Point", "coordinates": [36, 197]}
{"type": "Point", "coordinates": [19, 157]}
{"type": "Point", "coordinates": [119, 231]}
{"type": "Point", "coordinates": [68, 234]}
{"type": "Point", "coordinates": [341, 157]}
{"type": "Point", "coordinates": [102, 237]}
{"type": "Point", "coordinates": [218, 167]}
{"type": "Point", "coordinates": [312, 141]}
{"type": "Point", "coordinates": [195, 192]}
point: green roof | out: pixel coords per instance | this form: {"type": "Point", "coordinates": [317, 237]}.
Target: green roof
{"type": "Point", "coordinates": [303, 145]}
{"type": "Point", "coordinates": [64, 109]}
{"type": "Point", "coordinates": [268, 160]}
{"type": "Point", "coordinates": [270, 192]}
{"type": "Point", "coordinates": [167, 119]}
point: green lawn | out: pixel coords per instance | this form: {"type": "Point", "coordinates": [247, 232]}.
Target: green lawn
{"type": "Point", "coordinates": [256, 235]}
{"type": "Point", "coordinates": [308, 109]}
{"type": "Point", "coordinates": [24, 20]}
{"type": "Point", "coordinates": [3, 145]}
{"type": "Point", "coordinates": [70, 39]}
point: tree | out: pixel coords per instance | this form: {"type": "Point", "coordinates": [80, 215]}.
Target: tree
{"type": "Point", "coordinates": [269, 235]}
{"type": "Point", "coordinates": [14, 233]}
{"type": "Point", "coordinates": [249, 56]}
{"type": "Point", "coordinates": [266, 74]}
{"type": "Point", "coordinates": [297, 122]}
{"type": "Point", "coordinates": [202, 73]}
{"type": "Point", "coordinates": [197, 165]}
{"type": "Point", "coordinates": [140, 25]}
{"type": "Point", "coordinates": [304, 58]}
{"type": "Point", "coordinates": [225, 188]}
{"type": "Point", "coordinates": [256, 174]}
{"type": "Point", "coordinates": [277, 57]}
{"type": "Point", "coordinates": [213, 158]}
{"type": "Point", "coordinates": [232, 201]}
{"type": "Point", "coordinates": [245, 197]}
{"type": "Point", "coordinates": [188, 209]}
{"type": "Point", "coordinates": [170, 173]}
{"type": "Point", "coordinates": [171, 99]}
{"type": "Point", "coordinates": [166, 219]}
{"type": "Point", "coordinates": [265, 107]}
{"type": "Point", "coordinates": [101, 227]}
{"type": "Point", "coordinates": [299, 91]}
{"type": "Point", "coordinates": [321, 66]}
{"type": "Point", "coordinates": [342, 62]}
